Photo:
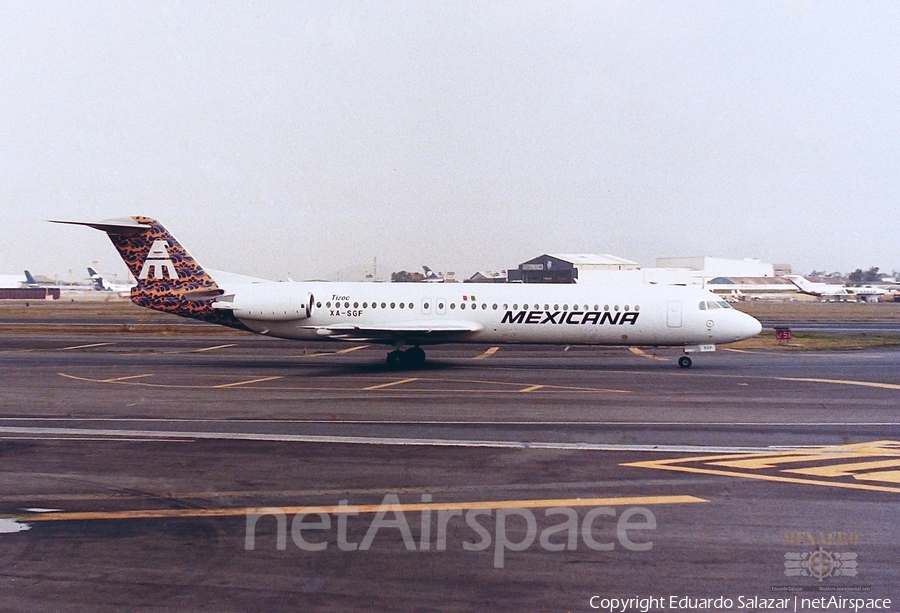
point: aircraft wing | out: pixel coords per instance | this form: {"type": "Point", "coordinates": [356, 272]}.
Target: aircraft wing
{"type": "Point", "coordinates": [411, 332]}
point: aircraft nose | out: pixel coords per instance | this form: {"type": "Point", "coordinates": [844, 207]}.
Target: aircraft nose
{"type": "Point", "coordinates": [750, 326]}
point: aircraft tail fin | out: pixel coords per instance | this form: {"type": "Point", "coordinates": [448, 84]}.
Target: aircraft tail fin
{"type": "Point", "coordinates": [30, 279]}
{"type": "Point", "coordinates": [800, 281]}
{"type": "Point", "coordinates": [169, 279]}
{"type": "Point", "coordinates": [96, 279]}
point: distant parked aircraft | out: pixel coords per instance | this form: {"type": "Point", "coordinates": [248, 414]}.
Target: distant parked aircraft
{"type": "Point", "coordinates": [431, 276]}
{"type": "Point", "coordinates": [863, 293]}
{"type": "Point", "coordinates": [33, 283]}
{"type": "Point", "coordinates": [102, 285]}
{"type": "Point", "coordinates": [11, 281]}
{"type": "Point", "coordinates": [29, 280]}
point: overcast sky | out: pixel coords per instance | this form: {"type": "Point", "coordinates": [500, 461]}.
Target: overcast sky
{"type": "Point", "coordinates": [305, 139]}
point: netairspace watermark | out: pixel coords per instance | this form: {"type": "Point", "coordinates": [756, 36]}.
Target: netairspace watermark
{"type": "Point", "coordinates": [435, 519]}
{"type": "Point", "coordinates": [750, 603]}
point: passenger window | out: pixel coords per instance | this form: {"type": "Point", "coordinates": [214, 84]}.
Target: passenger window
{"type": "Point", "coordinates": [484, 306]}
{"type": "Point", "coordinates": [402, 305]}
{"type": "Point", "coordinates": [318, 305]}
{"type": "Point", "coordinates": [515, 307]}
{"type": "Point", "coordinates": [383, 305]}
{"type": "Point", "coordinates": [328, 305]}
{"type": "Point", "coordinates": [495, 306]}
{"type": "Point", "coordinates": [393, 305]}
{"type": "Point", "coordinates": [626, 307]}
{"type": "Point", "coordinates": [452, 305]}
{"type": "Point", "coordinates": [555, 307]}
{"type": "Point", "coordinates": [426, 305]}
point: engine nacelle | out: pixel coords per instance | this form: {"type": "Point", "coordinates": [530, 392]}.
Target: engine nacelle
{"type": "Point", "coordinates": [268, 303]}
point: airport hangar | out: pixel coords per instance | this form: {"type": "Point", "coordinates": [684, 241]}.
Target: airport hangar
{"type": "Point", "coordinates": [722, 275]}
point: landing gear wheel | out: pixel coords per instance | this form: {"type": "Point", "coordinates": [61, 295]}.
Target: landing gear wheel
{"type": "Point", "coordinates": [395, 358]}
{"type": "Point", "coordinates": [411, 358]}
{"type": "Point", "coordinates": [684, 362]}
{"type": "Point", "coordinates": [415, 357]}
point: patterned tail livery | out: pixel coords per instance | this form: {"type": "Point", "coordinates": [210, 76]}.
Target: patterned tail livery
{"type": "Point", "coordinates": [168, 278]}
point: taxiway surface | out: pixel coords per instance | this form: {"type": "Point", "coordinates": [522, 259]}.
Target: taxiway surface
{"type": "Point", "coordinates": [135, 467]}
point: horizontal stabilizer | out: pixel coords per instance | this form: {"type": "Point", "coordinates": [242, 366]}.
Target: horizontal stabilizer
{"type": "Point", "coordinates": [121, 225]}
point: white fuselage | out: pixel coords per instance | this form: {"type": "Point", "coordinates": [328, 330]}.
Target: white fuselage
{"type": "Point", "coordinates": [496, 313]}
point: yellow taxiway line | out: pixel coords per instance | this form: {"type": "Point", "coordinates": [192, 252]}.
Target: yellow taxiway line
{"type": "Point", "coordinates": [238, 383]}
{"type": "Point", "coordinates": [391, 384]}
{"type": "Point", "coordinates": [353, 509]}
{"type": "Point", "coordinates": [531, 388]}
{"type": "Point", "coordinates": [644, 354]}
{"type": "Point", "coordinates": [886, 386]}
{"type": "Point", "coordinates": [491, 351]}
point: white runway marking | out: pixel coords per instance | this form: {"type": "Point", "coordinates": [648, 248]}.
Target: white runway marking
{"type": "Point", "coordinates": [213, 348]}
{"type": "Point", "coordinates": [85, 346]}
{"type": "Point", "coordinates": [78, 433]}
{"type": "Point", "coordinates": [444, 422]}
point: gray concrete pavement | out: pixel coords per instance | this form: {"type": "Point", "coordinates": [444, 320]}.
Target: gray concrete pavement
{"type": "Point", "coordinates": [133, 462]}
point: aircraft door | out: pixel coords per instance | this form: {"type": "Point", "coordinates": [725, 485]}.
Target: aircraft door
{"type": "Point", "coordinates": [440, 306]}
{"type": "Point", "coordinates": [673, 315]}
{"type": "Point", "coordinates": [426, 306]}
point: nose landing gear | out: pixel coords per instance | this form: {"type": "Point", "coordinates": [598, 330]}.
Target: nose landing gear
{"type": "Point", "coordinates": [413, 357]}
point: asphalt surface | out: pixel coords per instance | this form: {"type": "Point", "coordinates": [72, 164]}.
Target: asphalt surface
{"type": "Point", "coordinates": [134, 467]}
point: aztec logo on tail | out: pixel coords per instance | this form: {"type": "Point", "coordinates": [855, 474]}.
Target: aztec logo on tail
{"type": "Point", "coordinates": [158, 262]}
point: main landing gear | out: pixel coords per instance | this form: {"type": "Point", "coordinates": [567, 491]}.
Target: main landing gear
{"type": "Point", "coordinates": [684, 362]}
{"type": "Point", "coordinates": [413, 357]}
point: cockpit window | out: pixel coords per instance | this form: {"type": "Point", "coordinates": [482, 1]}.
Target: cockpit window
{"type": "Point", "coordinates": [724, 304]}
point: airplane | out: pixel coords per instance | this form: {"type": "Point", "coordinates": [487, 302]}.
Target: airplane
{"type": "Point", "coordinates": [864, 293]}
{"type": "Point", "coordinates": [102, 285]}
{"type": "Point", "coordinates": [30, 281]}
{"type": "Point", "coordinates": [407, 316]}
{"type": "Point", "coordinates": [12, 281]}
{"type": "Point", "coordinates": [431, 276]}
